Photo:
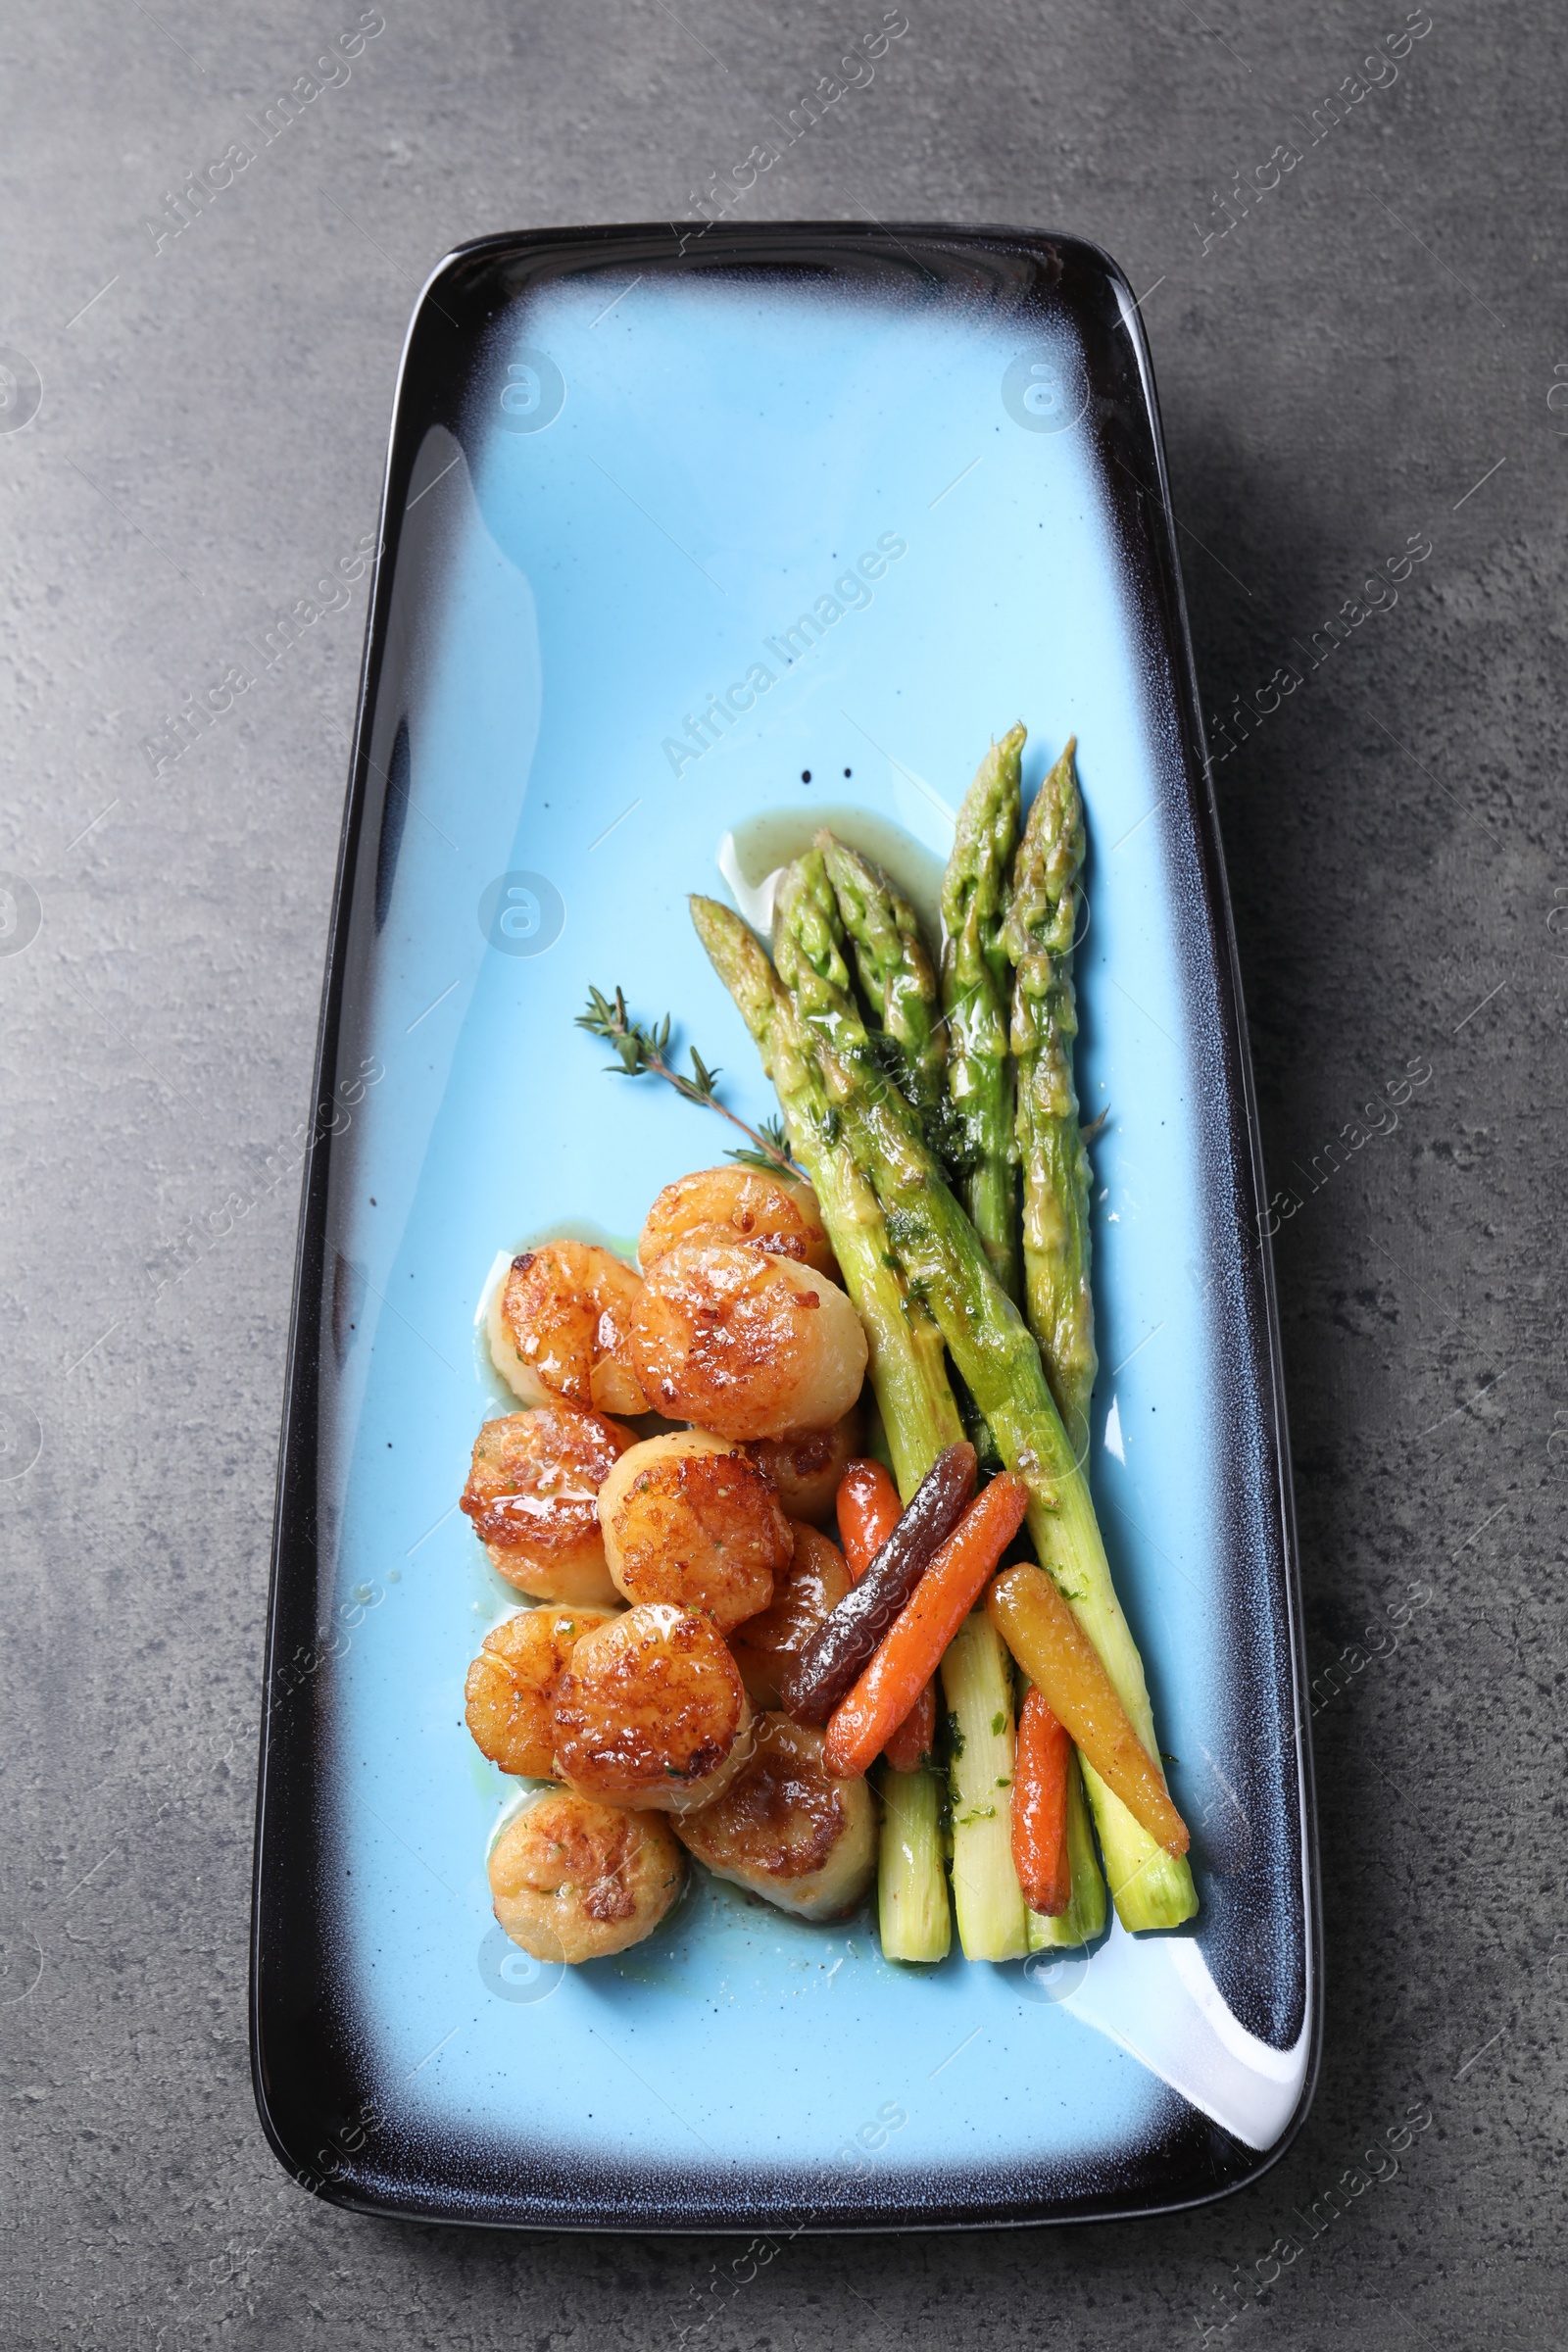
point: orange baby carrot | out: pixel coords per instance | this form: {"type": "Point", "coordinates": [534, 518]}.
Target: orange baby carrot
{"type": "Point", "coordinates": [912, 1649]}
{"type": "Point", "coordinates": [868, 1509]}
{"type": "Point", "coordinates": [1039, 1809]}
{"type": "Point", "coordinates": [917, 1734]}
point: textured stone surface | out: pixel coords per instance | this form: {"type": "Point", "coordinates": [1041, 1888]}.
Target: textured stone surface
{"type": "Point", "coordinates": [1361, 357]}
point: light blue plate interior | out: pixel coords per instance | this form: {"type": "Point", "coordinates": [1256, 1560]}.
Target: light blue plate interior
{"type": "Point", "coordinates": [722, 454]}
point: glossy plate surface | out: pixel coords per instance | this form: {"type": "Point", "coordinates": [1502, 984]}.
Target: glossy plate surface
{"type": "Point", "coordinates": [625, 480]}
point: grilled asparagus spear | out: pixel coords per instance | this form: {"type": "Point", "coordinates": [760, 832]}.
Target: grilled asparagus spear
{"type": "Point", "coordinates": [914, 1917]}
{"type": "Point", "coordinates": [1038, 941]}
{"type": "Point", "coordinates": [895, 970]}
{"type": "Point", "coordinates": [976, 982]}
{"type": "Point", "coordinates": [946, 1264]}
{"type": "Point", "coordinates": [977, 1685]}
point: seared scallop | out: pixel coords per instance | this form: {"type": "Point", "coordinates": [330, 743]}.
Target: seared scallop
{"type": "Point", "coordinates": [533, 1496]}
{"type": "Point", "coordinates": [574, 1881]}
{"type": "Point", "coordinates": [652, 1711]}
{"type": "Point", "coordinates": [745, 1345]}
{"type": "Point", "coordinates": [689, 1518]}
{"type": "Point", "coordinates": [784, 1831]}
{"type": "Point", "coordinates": [778, 1214]}
{"type": "Point", "coordinates": [806, 1469]}
{"type": "Point", "coordinates": [560, 1328]}
{"type": "Point", "coordinates": [765, 1646]}
{"type": "Point", "coordinates": [511, 1686]}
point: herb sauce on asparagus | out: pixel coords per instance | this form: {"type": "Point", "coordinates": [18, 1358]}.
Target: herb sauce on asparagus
{"type": "Point", "coordinates": [1038, 941]}
{"type": "Point", "coordinates": [894, 968]}
{"type": "Point", "coordinates": [976, 982]}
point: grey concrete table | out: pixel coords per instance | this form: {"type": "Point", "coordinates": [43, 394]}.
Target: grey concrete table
{"type": "Point", "coordinates": [1355, 313]}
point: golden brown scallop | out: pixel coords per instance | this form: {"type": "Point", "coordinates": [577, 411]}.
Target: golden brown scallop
{"type": "Point", "coordinates": [560, 1328]}
{"type": "Point", "coordinates": [778, 1214]}
{"type": "Point", "coordinates": [576, 1881]}
{"type": "Point", "coordinates": [533, 1496]}
{"type": "Point", "coordinates": [651, 1711]}
{"type": "Point", "coordinates": [689, 1518]}
{"type": "Point", "coordinates": [784, 1831]}
{"type": "Point", "coordinates": [511, 1686]}
{"type": "Point", "coordinates": [765, 1646]}
{"type": "Point", "coordinates": [744, 1344]}
{"type": "Point", "coordinates": [806, 1469]}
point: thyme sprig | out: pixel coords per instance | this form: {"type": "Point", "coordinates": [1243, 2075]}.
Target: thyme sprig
{"type": "Point", "coordinates": [643, 1051]}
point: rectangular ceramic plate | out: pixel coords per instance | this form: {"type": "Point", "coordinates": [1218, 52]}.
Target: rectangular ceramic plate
{"type": "Point", "coordinates": [623, 466]}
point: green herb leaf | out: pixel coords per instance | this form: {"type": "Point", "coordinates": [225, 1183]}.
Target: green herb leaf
{"type": "Point", "coordinates": [643, 1051]}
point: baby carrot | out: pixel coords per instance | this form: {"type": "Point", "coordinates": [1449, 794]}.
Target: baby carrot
{"type": "Point", "coordinates": [916, 1736]}
{"type": "Point", "coordinates": [841, 1646]}
{"type": "Point", "coordinates": [1039, 1809]}
{"type": "Point", "coordinates": [1058, 1657]}
{"type": "Point", "coordinates": [911, 1651]}
{"type": "Point", "coordinates": [868, 1509]}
